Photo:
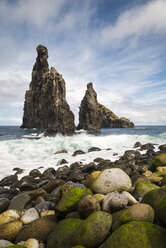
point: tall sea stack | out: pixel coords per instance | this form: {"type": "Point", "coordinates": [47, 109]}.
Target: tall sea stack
{"type": "Point", "coordinates": [89, 114]}
{"type": "Point", "coordinates": [45, 104]}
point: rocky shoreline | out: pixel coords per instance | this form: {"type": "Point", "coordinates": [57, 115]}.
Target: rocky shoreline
{"type": "Point", "coordinates": [101, 204]}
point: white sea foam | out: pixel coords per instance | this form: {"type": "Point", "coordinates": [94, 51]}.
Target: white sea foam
{"type": "Point", "coordinates": [27, 153]}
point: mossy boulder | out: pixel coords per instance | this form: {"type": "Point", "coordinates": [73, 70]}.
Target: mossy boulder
{"type": "Point", "coordinates": [8, 231]}
{"type": "Point", "coordinates": [110, 180]}
{"type": "Point", "coordinates": [143, 187]}
{"type": "Point", "coordinates": [156, 177]}
{"type": "Point", "coordinates": [70, 196]}
{"type": "Point", "coordinates": [92, 231]}
{"type": "Point", "coordinates": [78, 246]}
{"type": "Point", "coordinates": [62, 235]}
{"type": "Point", "coordinates": [137, 234]}
{"type": "Point", "coordinates": [158, 161]}
{"type": "Point", "coordinates": [157, 199]}
{"type": "Point", "coordinates": [38, 229]}
{"type": "Point", "coordinates": [139, 211]}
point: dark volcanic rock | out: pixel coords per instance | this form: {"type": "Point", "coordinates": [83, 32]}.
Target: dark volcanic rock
{"type": "Point", "coordinates": [110, 120]}
{"type": "Point", "coordinates": [45, 102]}
{"type": "Point", "coordinates": [89, 115]}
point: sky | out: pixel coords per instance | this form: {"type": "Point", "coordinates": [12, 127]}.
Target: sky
{"type": "Point", "coordinates": [119, 45]}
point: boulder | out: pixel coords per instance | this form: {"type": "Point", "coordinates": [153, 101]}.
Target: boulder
{"type": "Point", "coordinates": [158, 161]}
{"type": "Point", "coordinates": [157, 199]}
{"type": "Point", "coordinates": [4, 203]}
{"type": "Point", "coordinates": [45, 104]}
{"type": "Point", "coordinates": [87, 205]}
{"type": "Point", "coordinates": [92, 231]}
{"type": "Point", "coordinates": [143, 187]}
{"type": "Point", "coordinates": [19, 202]}
{"type": "Point", "coordinates": [139, 211]}
{"type": "Point", "coordinates": [63, 234]}
{"type": "Point", "coordinates": [9, 231]}
{"type": "Point", "coordinates": [110, 180]}
{"type": "Point", "coordinates": [9, 216]}
{"type": "Point", "coordinates": [114, 201]}
{"type": "Point", "coordinates": [38, 229]}
{"type": "Point", "coordinates": [136, 234]}
{"type": "Point", "coordinates": [32, 243]}
{"type": "Point", "coordinates": [70, 196]}
{"type": "Point", "coordinates": [30, 215]}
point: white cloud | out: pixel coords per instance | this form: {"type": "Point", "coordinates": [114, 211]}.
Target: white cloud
{"type": "Point", "coordinates": [139, 21]}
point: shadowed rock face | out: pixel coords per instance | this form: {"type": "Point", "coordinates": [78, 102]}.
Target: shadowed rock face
{"type": "Point", "coordinates": [110, 120]}
{"type": "Point", "coordinates": [45, 104]}
{"type": "Point", "coordinates": [89, 115]}
{"type": "Point", "coordinates": [93, 115]}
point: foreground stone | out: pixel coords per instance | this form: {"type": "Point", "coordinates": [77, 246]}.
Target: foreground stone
{"type": "Point", "coordinates": [38, 229]}
{"type": "Point", "coordinates": [137, 234]}
{"type": "Point", "coordinates": [110, 180]}
{"type": "Point", "coordinates": [9, 231]}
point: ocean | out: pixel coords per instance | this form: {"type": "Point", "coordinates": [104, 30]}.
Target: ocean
{"type": "Point", "coordinates": [28, 150]}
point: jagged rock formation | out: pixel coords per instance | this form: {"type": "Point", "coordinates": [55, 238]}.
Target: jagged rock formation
{"type": "Point", "coordinates": [93, 115]}
{"type": "Point", "coordinates": [110, 120]}
{"type": "Point", "coordinates": [89, 115]}
{"type": "Point", "coordinates": [45, 104]}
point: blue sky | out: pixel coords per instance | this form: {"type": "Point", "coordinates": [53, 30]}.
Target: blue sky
{"type": "Point", "coordinates": [119, 45]}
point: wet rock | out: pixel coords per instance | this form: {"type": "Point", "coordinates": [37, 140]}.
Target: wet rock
{"type": "Point", "coordinates": [137, 144]}
{"type": "Point", "coordinates": [62, 161]}
{"type": "Point", "coordinates": [94, 149]}
{"type": "Point", "coordinates": [38, 229]}
{"type": "Point", "coordinates": [4, 203]}
{"type": "Point", "coordinates": [131, 154]}
{"type": "Point", "coordinates": [18, 170]}
{"type": "Point", "coordinates": [34, 194]}
{"type": "Point", "coordinates": [27, 187]}
{"type": "Point", "coordinates": [53, 184]}
{"type": "Point", "coordinates": [163, 148]}
{"type": "Point", "coordinates": [159, 161]}
{"type": "Point", "coordinates": [7, 181]}
{"type": "Point", "coordinates": [98, 160]}
{"type": "Point", "coordinates": [147, 146]}
{"type": "Point", "coordinates": [9, 231]}
{"type": "Point", "coordinates": [29, 216]}
{"type": "Point", "coordinates": [45, 104]}
{"type": "Point", "coordinates": [136, 234]}
{"type": "Point", "coordinates": [76, 176]}
{"type": "Point", "coordinates": [114, 201]}
{"type": "Point", "coordinates": [35, 173]}
{"type": "Point", "coordinates": [87, 205]}
{"type": "Point", "coordinates": [110, 180]}
{"type": "Point", "coordinates": [61, 151]}
{"type": "Point", "coordinates": [89, 115]}
{"type": "Point", "coordinates": [78, 152]}
{"type": "Point", "coordinates": [139, 211]}
{"type": "Point", "coordinates": [9, 216]}
{"type": "Point", "coordinates": [104, 164]}
{"type": "Point", "coordinates": [89, 167]}
{"type": "Point", "coordinates": [43, 206]}
{"type": "Point", "coordinates": [76, 166]}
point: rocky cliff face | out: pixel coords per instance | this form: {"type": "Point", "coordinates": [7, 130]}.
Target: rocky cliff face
{"type": "Point", "coordinates": [89, 115]}
{"type": "Point", "coordinates": [45, 104]}
{"type": "Point", "coordinates": [110, 120]}
{"type": "Point", "coordinates": [93, 115]}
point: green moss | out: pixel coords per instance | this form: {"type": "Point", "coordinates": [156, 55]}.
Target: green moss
{"type": "Point", "coordinates": [143, 187]}
{"type": "Point", "coordinates": [93, 230]}
{"type": "Point", "coordinates": [137, 234]}
{"type": "Point", "coordinates": [158, 161]}
{"type": "Point", "coordinates": [78, 246]}
{"type": "Point", "coordinates": [62, 236]}
{"type": "Point", "coordinates": [71, 195]}
{"type": "Point", "coordinates": [107, 112]}
{"type": "Point", "coordinates": [16, 246]}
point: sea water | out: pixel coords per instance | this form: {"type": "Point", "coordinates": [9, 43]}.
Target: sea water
{"type": "Point", "coordinates": [29, 149]}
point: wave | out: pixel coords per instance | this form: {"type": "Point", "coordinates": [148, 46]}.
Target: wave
{"type": "Point", "coordinates": [29, 153]}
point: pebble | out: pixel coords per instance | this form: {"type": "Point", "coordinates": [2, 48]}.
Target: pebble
{"type": "Point", "coordinates": [32, 243]}
{"type": "Point", "coordinates": [29, 216]}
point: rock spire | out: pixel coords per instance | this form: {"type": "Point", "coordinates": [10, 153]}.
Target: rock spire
{"type": "Point", "coordinates": [45, 105]}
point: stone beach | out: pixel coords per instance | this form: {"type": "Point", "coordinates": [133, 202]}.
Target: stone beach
{"type": "Point", "coordinates": [101, 204]}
